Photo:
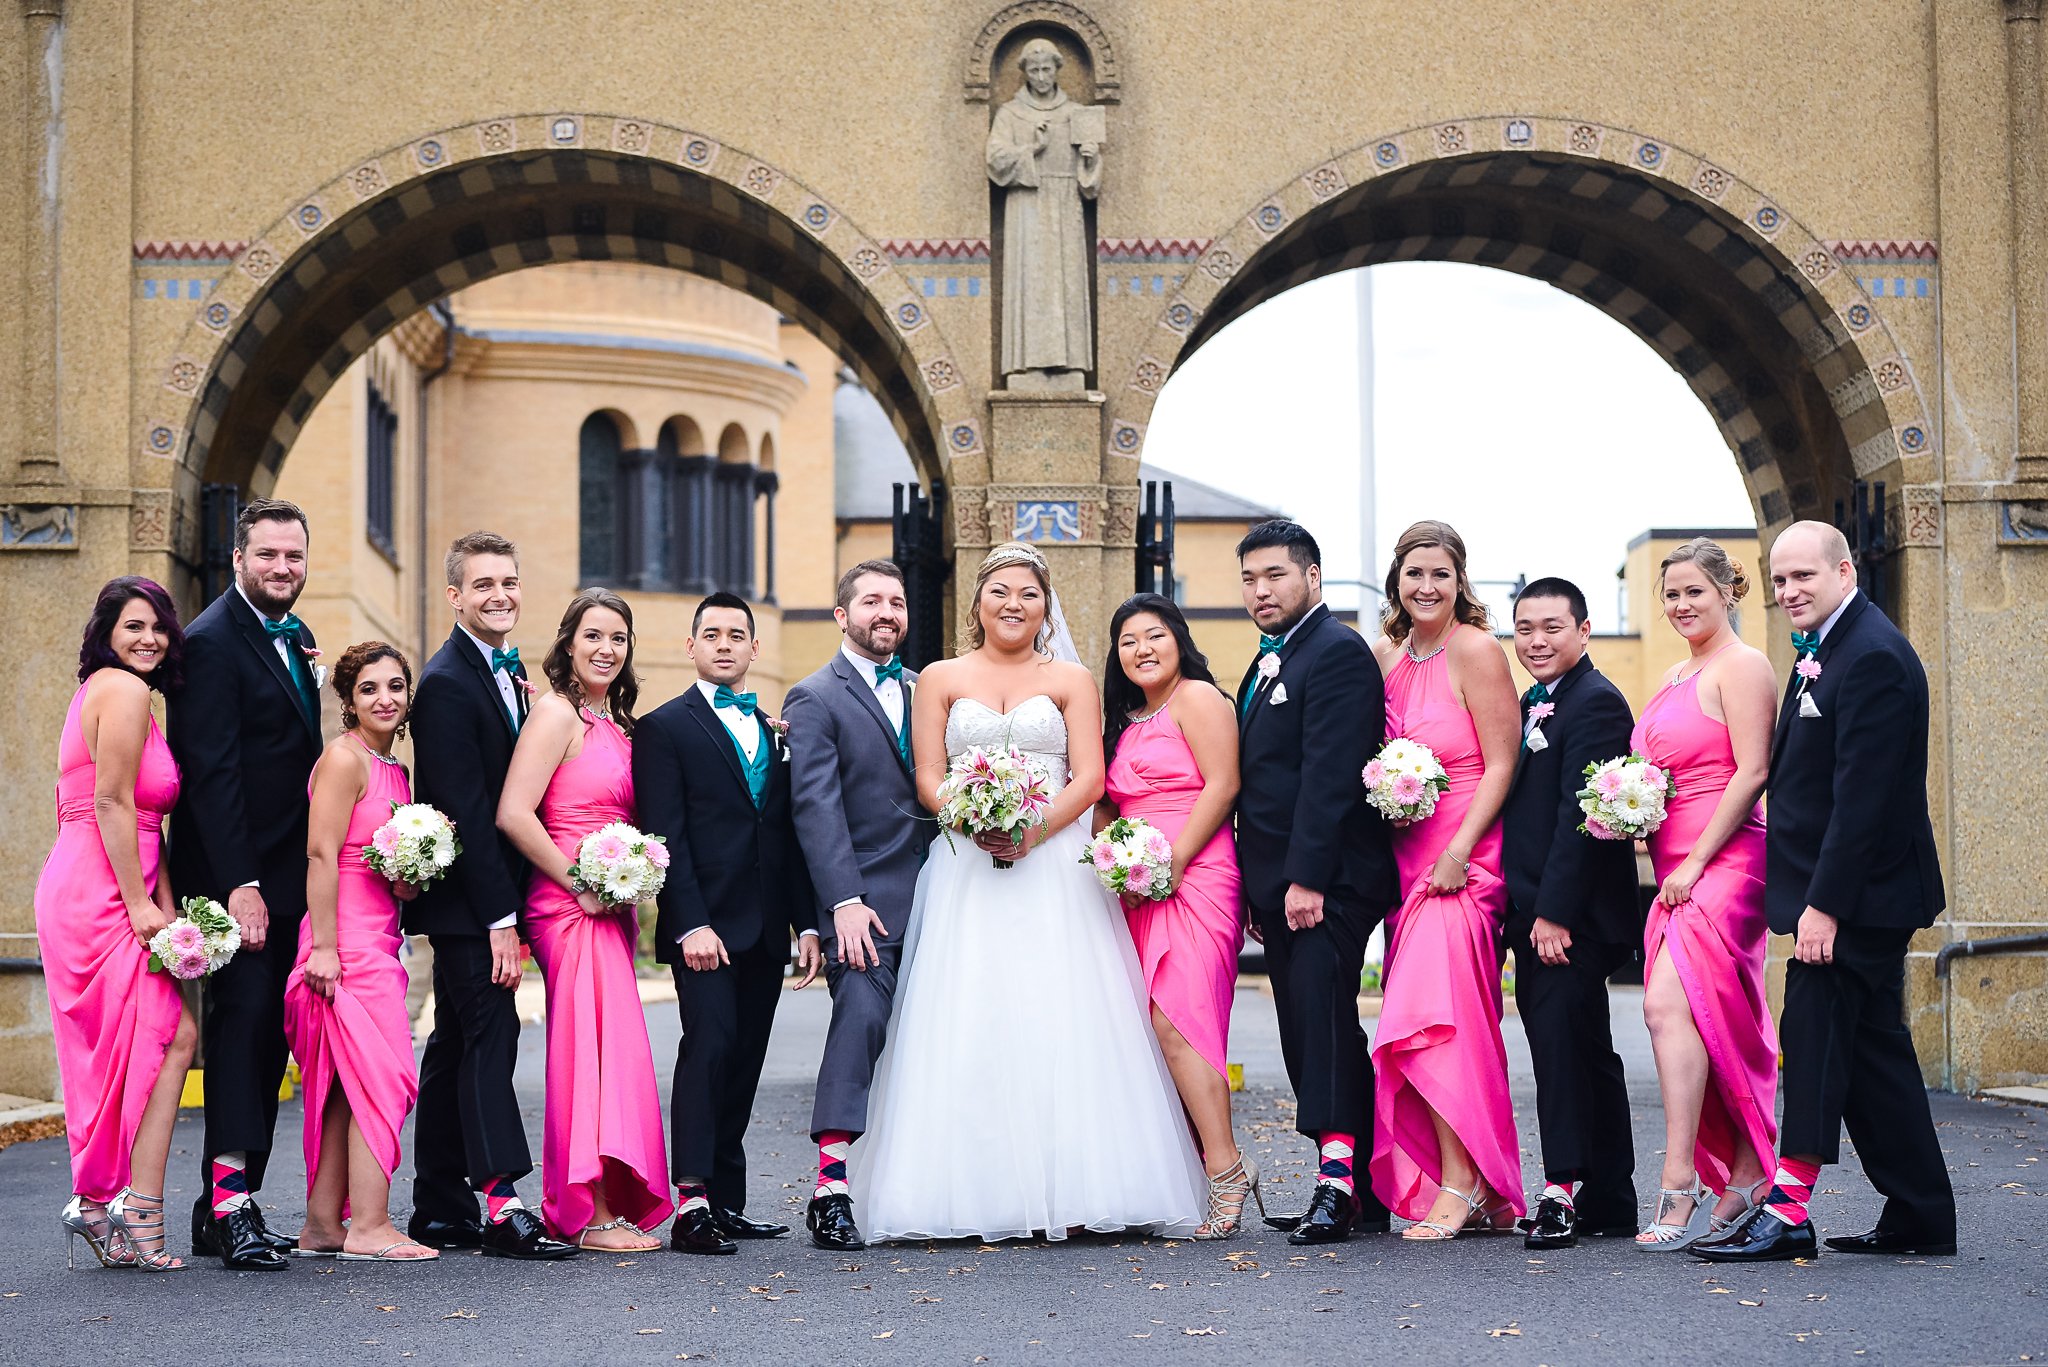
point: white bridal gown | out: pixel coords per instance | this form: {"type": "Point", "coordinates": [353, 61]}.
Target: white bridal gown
{"type": "Point", "coordinates": [1021, 1090]}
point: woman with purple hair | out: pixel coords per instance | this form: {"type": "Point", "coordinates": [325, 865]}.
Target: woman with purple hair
{"type": "Point", "coordinates": [124, 1037]}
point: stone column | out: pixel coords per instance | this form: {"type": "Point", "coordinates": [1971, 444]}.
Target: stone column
{"type": "Point", "coordinates": [2029, 252]}
{"type": "Point", "coordinates": [42, 133]}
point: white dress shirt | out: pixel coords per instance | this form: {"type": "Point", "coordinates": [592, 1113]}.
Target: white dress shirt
{"type": "Point", "coordinates": [889, 692]}
{"type": "Point", "coordinates": [505, 687]}
{"type": "Point", "coordinates": [1836, 615]}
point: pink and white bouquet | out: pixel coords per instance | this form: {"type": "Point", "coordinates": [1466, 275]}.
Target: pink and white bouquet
{"type": "Point", "coordinates": [1133, 858]}
{"type": "Point", "coordinates": [1623, 798]}
{"type": "Point", "coordinates": [620, 865]}
{"type": "Point", "coordinates": [992, 792]}
{"type": "Point", "coordinates": [1404, 780]}
{"type": "Point", "coordinates": [415, 846]}
{"type": "Point", "coordinates": [199, 942]}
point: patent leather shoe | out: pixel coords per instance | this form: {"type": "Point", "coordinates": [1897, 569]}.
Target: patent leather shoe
{"type": "Point", "coordinates": [696, 1231]}
{"type": "Point", "coordinates": [1758, 1237]}
{"type": "Point", "coordinates": [520, 1234]}
{"type": "Point", "coordinates": [830, 1220]}
{"type": "Point", "coordinates": [1554, 1225]}
{"type": "Point", "coordinates": [1891, 1241]}
{"type": "Point", "coordinates": [733, 1225]}
{"type": "Point", "coordinates": [1332, 1211]}
{"type": "Point", "coordinates": [433, 1233]}
{"type": "Point", "coordinates": [236, 1238]}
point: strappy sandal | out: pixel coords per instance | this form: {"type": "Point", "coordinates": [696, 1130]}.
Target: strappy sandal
{"type": "Point", "coordinates": [383, 1255]}
{"type": "Point", "coordinates": [1662, 1235]}
{"type": "Point", "coordinates": [98, 1233]}
{"type": "Point", "coordinates": [1751, 1198]}
{"type": "Point", "coordinates": [1475, 1206]}
{"type": "Point", "coordinates": [141, 1228]}
{"type": "Point", "coordinates": [583, 1239]}
{"type": "Point", "coordinates": [1227, 1192]}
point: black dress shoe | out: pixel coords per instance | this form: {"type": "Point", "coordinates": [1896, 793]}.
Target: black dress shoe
{"type": "Point", "coordinates": [269, 1236]}
{"type": "Point", "coordinates": [696, 1231]}
{"type": "Point", "coordinates": [1892, 1241]}
{"type": "Point", "coordinates": [733, 1225]}
{"type": "Point", "coordinates": [1758, 1237]}
{"type": "Point", "coordinates": [237, 1240]}
{"type": "Point", "coordinates": [1332, 1211]}
{"type": "Point", "coordinates": [521, 1235]}
{"type": "Point", "coordinates": [830, 1220]}
{"type": "Point", "coordinates": [1554, 1225]}
{"type": "Point", "coordinates": [433, 1233]}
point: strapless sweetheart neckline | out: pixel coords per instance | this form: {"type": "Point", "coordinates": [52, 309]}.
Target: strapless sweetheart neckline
{"type": "Point", "coordinates": [1010, 712]}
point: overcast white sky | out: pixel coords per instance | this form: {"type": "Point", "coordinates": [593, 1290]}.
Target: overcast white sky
{"type": "Point", "coordinates": [1547, 433]}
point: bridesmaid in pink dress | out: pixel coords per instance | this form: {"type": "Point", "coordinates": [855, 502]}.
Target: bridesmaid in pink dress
{"type": "Point", "coordinates": [603, 1176]}
{"type": "Point", "coordinates": [1703, 997]}
{"type": "Point", "coordinates": [124, 1038]}
{"type": "Point", "coordinates": [1173, 761]}
{"type": "Point", "coordinates": [1444, 1147]}
{"type": "Point", "coordinates": [344, 1002]}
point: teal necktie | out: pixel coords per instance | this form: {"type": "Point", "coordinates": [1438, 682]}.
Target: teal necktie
{"type": "Point", "coordinates": [1268, 645]}
{"type": "Point", "coordinates": [1806, 642]}
{"type": "Point", "coordinates": [288, 631]}
{"type": "Point", "coordinates": [725, 697]}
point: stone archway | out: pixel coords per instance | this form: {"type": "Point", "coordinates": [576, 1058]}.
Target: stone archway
{"type": "Point", "coordinates": [420, 220]}
{"type": "Point", "coordinates": [1777, 339]}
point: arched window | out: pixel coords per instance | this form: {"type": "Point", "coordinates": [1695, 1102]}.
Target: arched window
{"type": "Point", "coordinates": [598, 462]}
{"type": "Point", "coordinates": [673, 518]}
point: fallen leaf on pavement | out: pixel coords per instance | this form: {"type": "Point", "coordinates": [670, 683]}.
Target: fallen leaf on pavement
{"type": "Point", "coordinates": [387, 1309]}
{"type": "Point", "coordinates": [460, 1315]}
{"type": "Point", "coordinates": [1204, 1332]}
{"type": "Point", "coordinates": [1510, 1331]}
{"type": "Point", "coordinates": [647, 1331]}
{"type": "Point", "coordinates": [886, 1333]}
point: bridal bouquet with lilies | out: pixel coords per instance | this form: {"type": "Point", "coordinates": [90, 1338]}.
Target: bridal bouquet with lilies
{"type": "Point", "coordinates": [1404, 780]}
{"type": "Point", "coordinates": [992, 792]}
{"type": "Point", "coordinates": [620, 865]}
{"type": "Point", "coordinates": [200, 942]}
{"type": "Point", "coordinates": [415, 846]}
{"type": "Point", "coordinates": [1132, 858]}
{"type": "Point", "coordinates": [1624, 798]}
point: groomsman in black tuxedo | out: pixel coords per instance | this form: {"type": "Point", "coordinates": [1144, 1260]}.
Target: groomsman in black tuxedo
{"type": "Point", "coordinates": [1575, 915]}
{"type": "Point", "coordinates": [1851, 873]}
{"type": "Point", "coordinates": [1317, 862]}
{"type": "Point", "coordinates": [246, 734]}
{"type": "Point", "coordinates": [466, 715]}
{"type": "Point", "coordinates": [711, 776]}
{"type": "Point", "coordinates": [864, 841]}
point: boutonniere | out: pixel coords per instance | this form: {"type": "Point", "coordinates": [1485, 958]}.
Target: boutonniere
{"type": "Point", "coordinates": [1269, 666]}
{"type": "Point", "coordinates": [1279, 693]}
{"type": "Point", "coordinates": [522, 683]}
{"type": "Point", "coordinates": [1538, 714]}
{"type": "Point", "coordinates": [778, 732]}
{"type": "Point", "coordinates": [312, 657]}
{"type": "Point", "coordinates": [1807, 669]}
{"type": "Point", "coordinates": [1542, 712]}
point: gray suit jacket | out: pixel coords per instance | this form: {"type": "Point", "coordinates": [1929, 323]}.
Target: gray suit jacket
{"type": "Point", "coordinates": [857, 814]}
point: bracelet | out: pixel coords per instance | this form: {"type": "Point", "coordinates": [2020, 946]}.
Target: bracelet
{"type": "Point", "coordinates": [1462, 863]}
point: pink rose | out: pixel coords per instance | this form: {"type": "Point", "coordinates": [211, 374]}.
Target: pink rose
{"type": "Point", "coordinates": [1375, 774]}
{"type": "Point", "coordinates": [657, 854]}
{"type": "Point", "coordinates": [1105, 857]}
{"type": "Point", "coordinates": [1407, 789]}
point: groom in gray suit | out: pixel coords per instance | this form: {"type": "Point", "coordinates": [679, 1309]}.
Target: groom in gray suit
{"type": "Point", "coordinates": [859, 823]}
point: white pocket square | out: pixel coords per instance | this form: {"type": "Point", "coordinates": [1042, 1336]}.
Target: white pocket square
{"type": "Point", "coordinates": [1278, 695]}
{"type": "Point", "coordinates": [1537, 740]}
{"type": "Point", "coordinates": [1807, 706]}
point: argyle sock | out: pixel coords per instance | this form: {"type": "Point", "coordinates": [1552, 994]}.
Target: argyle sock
{"type": "Point", "coordinates": [500, 1198]}
{"type": "Point", "coordinates": [1561, 1193]}
{"type": "Point", "coordinates": [230, 1182]}
{"type": "Point", "coordinates": [1791, 1189]}
{"type": "Point", "coordinates": [832, 1147]}
{"type": "Point", "coordinates": [692, 1194]}
{"type": "Point", "coordinates": [1337, 1149]}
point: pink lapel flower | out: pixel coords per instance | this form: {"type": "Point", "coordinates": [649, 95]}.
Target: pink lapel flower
{"type": "Point", "coordinates": [309, 652]}
{"type": "Point", "coordinates": [525, 684]}
{"type": "Point", "coordinates": [1541, 712]}
{"type": "Point", "coordinates": [1807, 669]}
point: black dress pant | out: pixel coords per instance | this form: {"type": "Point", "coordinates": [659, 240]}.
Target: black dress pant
{"type": "Point", "coordinates": [1315, 976]}
{"type": "Point", "coordinates": [242, 1033]}
{"type": "Point", "coordinates": [1849, 1060]}
{"type": "Point", "coordinates": [1581, 1096]}
{"type": "Point", "coordinates": [467, 1128]}
{"type": "Point", "coordinates": [727, 1013]}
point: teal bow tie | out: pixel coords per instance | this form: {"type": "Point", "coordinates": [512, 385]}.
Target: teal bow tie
{"type": "Point", "coordinates": [1270, 645]}
{"type": "Point", "coordinates": [1537, 693]}
{"type": "Point", "coordinates": [891, 670]}
{"type": "Point", "coordinates": [725, 697]}
{"type": "Point", "coordinates": [1806, 642]}
{"type": "Point", "coordinates": [287, 629]}
{"type": "Point", "coordinates": [506, 660]}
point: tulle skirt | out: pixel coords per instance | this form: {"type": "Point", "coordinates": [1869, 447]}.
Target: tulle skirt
{"type": "Point", "coordinates": [1022, 1090]}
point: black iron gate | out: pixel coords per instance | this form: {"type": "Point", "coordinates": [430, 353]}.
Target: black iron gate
{"type": "Point", "coordinates": [1862, 522]}
{"type": "Point", "coordinates": [219, 504]}
{"type": "Point", "coordinates": [1155, 539]}
{"type": "Point", "coordinates": [918, 528]}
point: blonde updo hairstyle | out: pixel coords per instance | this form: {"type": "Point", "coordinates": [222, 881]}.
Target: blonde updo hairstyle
{"type": "Point", "coordinates": [1001, 558]}
{"type": "Point", "coordinates": [1467, 608]}
{"type": "Point", "coordinates": [1716, 564]}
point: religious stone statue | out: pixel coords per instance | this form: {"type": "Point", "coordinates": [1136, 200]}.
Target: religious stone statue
{"type": "Point", "coordinates": [1045, 150]}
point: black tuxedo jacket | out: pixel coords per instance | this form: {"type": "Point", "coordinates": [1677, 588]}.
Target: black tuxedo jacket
{"type": "Point", "coordinates": [1587, 886]}
{"type": "Point", "coordinates": [732, 866]}
{"type": "Point", "coordinates": [462, 740]}
{"type": "Point", "coordinates": [1302, 816]}
{"type": "Point", "coordinates": [1847, 830]}
{"type": "Point", "coordinates": [245, 751]}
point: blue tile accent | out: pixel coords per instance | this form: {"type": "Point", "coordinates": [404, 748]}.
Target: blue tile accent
{"type": "Point", "coordinates": [149, 289]}
{"type": "Point", "coordinates": [1920, 288]}
{"type": "Point", "coordinates": [1047, 520]}
{"type": "Point", "coordinates": [1159, 284]}
{"type": "Point", "coordinates": [973, 287]}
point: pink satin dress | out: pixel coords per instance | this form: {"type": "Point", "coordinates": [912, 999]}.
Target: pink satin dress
{"type": "Point", "coordinates": [603, 1120]}
{"type": "Point", "coordinates": [360, 1040]}
{"type": "Point", "coordinates": [1438, 1046]}
{"type": "Point", "coordinates": [1716, 939]}
{"type": "Point", "coordinates": [1187, 944]}
{"type": "Point", "coordinates": [112, 1018]}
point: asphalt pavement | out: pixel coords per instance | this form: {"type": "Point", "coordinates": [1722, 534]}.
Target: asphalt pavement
{"type": "Point", "coordinates": [1085, 1300]}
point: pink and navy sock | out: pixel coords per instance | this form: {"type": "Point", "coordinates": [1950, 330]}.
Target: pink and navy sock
{"type": "Point", "coordinates": [692, 1195]}
{"type": "Point", "coordinates": [501, 1198]}
{"type": "Point", "coordinates": [1791, 1189]}
{"type": "Point", "coordinates": [832, 1147]}
{"type": "Point", "coordinates": [230, 1182]}
{"type": "Point", "coordinates": [1337, 1150]}
{"type": "Point", "coordinates": [1564, 1193]}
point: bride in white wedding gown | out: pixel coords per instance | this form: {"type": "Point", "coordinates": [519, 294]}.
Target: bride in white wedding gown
{"type": "Point", "coordinates": [1022, 1090]}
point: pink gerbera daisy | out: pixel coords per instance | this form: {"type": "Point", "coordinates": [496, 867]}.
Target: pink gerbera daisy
{"type": "Point", "coordinates": [1407, 788]}
{"type": "Point", "coordinates": [1375, 774]}
{"type": "Point", "coordinates": [657, 854]}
